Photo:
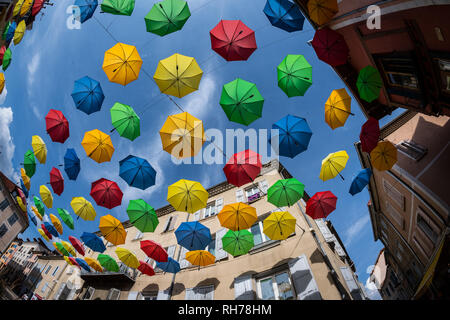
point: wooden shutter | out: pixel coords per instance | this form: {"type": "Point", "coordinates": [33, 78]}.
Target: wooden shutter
{"type": "Point", "coordinates": [303, 279]}
{"type": "Point", "coordinates": [166, 226]}
{"type": "Point", "coordinates": [172, 222]}
{"type": "Point", "coordinates": [220, 253]}
{"type": "Point", "coordinates": [351, 283]}
{"type": "Point", "coordinates": [113, 294]}
{"type": "Point", "coordinates": [337, 247]}
{"type": "Point", "coordinates": [163, 295]}
{"type": "Point", "coordinates": [190, 294]}
{"type": "Point", "coordinates": [329, 237]}
{"type": "Point", "coordinates": [240, 195]}
{"type": "Point", "coordinates": [197, 215]}
{"type": "Point", "coordinates": [219, 205]}
{"type": "Point", "coordinates": [183, 262]}
{"type": "Point", "coordinates": [243, 288]}
{"type": "Point", "coordinates": [171, 251]}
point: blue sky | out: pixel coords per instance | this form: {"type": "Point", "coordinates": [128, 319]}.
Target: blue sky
{"type": "Point", "coordinates": [51, 57]}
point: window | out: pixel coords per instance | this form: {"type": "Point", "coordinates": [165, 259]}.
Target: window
{"type": "Point", "coordinates": [252, 193]}
{"type": "Point", "coordinates": [387, 292]}
{"type": "Point", "coordinates": [211, 248]}
{"type": "Point", "coordinates": [412, 150]}
{"type": "Point", "coordinates": [398, 218]}
{"type": "Point", "coordinates": [170, 224]}
{"type": "Point", "coordinates": [210, 210]}
{"type": "Point", "coordinates": [54, 271]}
{"type": "Point", "coordinates": [114, 294]}
{"type": "Point", "coordinates": [200, 293]}
{"type": "Point", "coordinates": [89, 293]}
{"type": "Point", "coordinates": [405, 80]}
{"type": "Point", "coordinates": [276, 287]}
{"type": "Point", "coordinates": [3, 230]}
{"type": "Point", "coordinates": [48, 269]}
{"type": "Point", "coordinates": [12, 219]}
{"type": "Point", "coordinates": [427, 226]}
{"type": "Point", "coordinates": [400, 72]}
{"type": "Point", "coordinates": [240, 196]}
{"type": "Point", "coordinates": [394, 194]}
{"type": "Point", "coordinates": [44, 287]}
{"type": "Point", "coordinates": [4, 204]}
{"type": "Point", "coordinates": [182, 259]}
{"type": "Point", "coordinates": [444, 69]}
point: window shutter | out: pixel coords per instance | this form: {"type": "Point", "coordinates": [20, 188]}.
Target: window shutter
{"type": "Point", "coordinates": [338, 248]}
{"type": "Point", "coordinates": [197, 215]}
{"type": "Point", "coordinates": [172, 222]}
{"type": "Point", "coordinates": [61, 288]}
{"type": "Point", "coordinates": [183, 262]}
{"type": "Point", "coordinates": [166, 226]}
{"type": "Point", "coordinates": [303, 279]}
{"type": "Point", "coordinates": [240, 195]}
{"type": "Point", "coordinates": [133, 295]}
{"type": "Point", "coordinates": [163, 295]}
{"type": "Point", "coordinates": [171, 251]}
{"type": "Point", "coordinates": [351, 283]}
{"type": "Point", "coordinates": [140, 296]}
{"type": "Point", "coordinates": [139, 235]}
{"type": "Point", "coordinates": [220, 253]}
{"type": "Point", "coordinates": [263, 186]}
{"type": "Point", "coordinates": [208, 293]}
{"type": "Point", "coordinates": [329, 237]}
{"type": "Point", "coordinates": [219, 205]}
{"type": "Point", "coordinates": [190, 295]}
{"type": "Point", "coordinates": [243, 288]}
{"type": "Point", "coordinates": [113, 294]}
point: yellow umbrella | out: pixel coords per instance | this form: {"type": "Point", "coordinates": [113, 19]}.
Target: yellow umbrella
{"type": "Point", "coordinates": [56, 223]}
{"type": "Point", "coordinates": [122, 63]}
{"type": "Point", "coordinates": [21, 204]}
{"type": "Point", "coordinates": [182, 135]}
{"type": "Point", "coordinates": [187, 196]}
{"type": "Point", "coordinates": [112, 230]}
{"type": "Point", "coordinates": [237, 216]}
{"type": "Point", "coordinates": [37, 213]}
{"type": "Point", "coordinates": [128, 257]}
{"type": "Point", "coordinates": [322, 11]}
{"type": "Point", "coordinates": [69, 248]}
{"type": "Point", "coordinates": [200, 258]}
{"type": "Point", "coordinates": [279, 225]}
{"type": "Point", "coordinates": [25, 178]}
{"type": "Point", "coordinates": [98, 146]}
{"type": "Point", "coordinates": [333, 164]}
{"type": "Point", "coordinates": [68, 260]}
{"type": "Point", "coordinates": [39, 148]}
{"type": "Point", "coordinates": [43, 235]}
{"type": "Point", "coordinates": [19, 33]}
{"type": "Point", "coordinates": [26, 7]}
{"type": "Point", "coordinates": [2, 82]}
{"type": "Point", "coordinates": [338, 108]}
{"type": "Point", "coordinates": [178, 75]}
{"type": "Point", "coordinates": [83, 208]}
{"type": "Point", "coordinates": [94, 264]}
{"type": "Point", "coordinates": [383, 156]}
{"type": "Point", "coordinates": [17, 7]}
{"type": "Point", "coordinates": [46, 196]}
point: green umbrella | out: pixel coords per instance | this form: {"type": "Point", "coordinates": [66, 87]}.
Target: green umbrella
{"type": "Point", "coordinates": [5, 31]}
{"type": "Point", "coordinates": [62, 249]}
{"type": "Point", "coordinates": [108, 262]}
{"type": "Point", "coordinates": [237, 243]}
{"type": "Point", "coordinates": [118, 7]}
{"type": "Point", "coordinates": [125, 121]}
{"type": "Point", "coordinates": [6, 59]}
{"type": "Point", "coordinates": [369, 83]}
{"type": "Point", "coordinates": [294, 75]}
{"type": "Point", "coordinates": [29, 163]}
{"type": "Point", "coordinates": [285, 192]}
{"type": "Point", "coordinates": [167, 16]}
{"type": "Point", "coordinates": [241, 101]}
{"type": "Point", "coordinates": [39, 205]}
{"type": "Point", "coordinates": [142, 215]}
{"type": "Point", "coordinates": [66, 217]}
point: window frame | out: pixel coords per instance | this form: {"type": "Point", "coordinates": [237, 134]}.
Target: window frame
{"type": "Point", "coordinates": [274, 283]}
{"type": "Point", "coordinates": [3, 225]}
{"type": "Point", "coordinates": [406, 146]}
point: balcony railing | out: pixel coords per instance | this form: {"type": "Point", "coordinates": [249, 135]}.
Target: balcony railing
{"type": "Point", "coordinates": [253, 197]}
{"type": "Point", "coordinates": [124, 270]}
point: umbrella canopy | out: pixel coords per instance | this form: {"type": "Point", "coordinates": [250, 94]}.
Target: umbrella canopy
{"type": "Point", "coordinates": [39, 205]}
{"type": "Point", "coordinates": [284, 14]}
{"type": "Point", "coordinates": [279, 225]}
{"type": "Point", "coordinates": [122, 63]}
{"type": "Point", "coordinates": [26, 6]}
{"type": "Point", "coordinates": [19, 32]}
{"type": "Point", "coordinates": [338, 108]}
{"type": "Point", "coordinates": [330, 47]}
{"type": "Point", "coordinates": [46, 196]}
{"type": "Point", "coordinates": [127, 257]}
{"type": "Point", "coordinates": [37, 213]}
{"type": "Point", "coordinates": [87, 9]}
{"type": "Point", "coordinates": [11, 29]}
{"type": "Point", "coordinates": [48, 234]}
{"type": "Point", "coordinates": [200, 258]}
{"type": "Point", "coordinates": [70, 263]}
{"type": "Point", "coordinates": [182, 135]}
{"type": "Point", "coordinates": [21, 196]}
{"type": "Point", "coordinates": [5, 30]}
{"type": "Point", "coordinates": [137, 172]}
{"type": "Point", "coordinates": [237, 243]}
{"type": "Point", "coordinates": [2, 82]}
{"type": "Point", "coordinates": [32, 218]}
{"type": "Point", "coordinates": [56, 223]}
{"type": "Point", "coordinates": [29, 163]}
{"type": "Point", "coordinates": [187, 196]}
{"type": "Point", "coordinates": [322, 11]}
{"type": "Point", "coordinates": [17, 7]}
{"type": "Point", "coordinates": [51, 229]}
{"type": "Point", "coordinates": [285, 192]}
{"type": "Point", "coordinates": [370, 134]}
{"type": "Point", "coordinates": [74, 262]}
{"type": "Point", "coordinates": [77, 244]}
{"type": "Point", "coordinates": [241, 101]}
{"type": "Point", "coordinates": [66, 217]}
{"type": "Point", "coordinates": [87, 94]}
{"type": "Point", "coordinates": [369, 84]}
{"type": "Point", "coordinates": [98, 146]}
{"type": "Point", "coordinates": [7, 57]}
{"type": "Point", "coordinates": [294, 135]}
{"type": "Point", "coordinates": [92, 241]}
{"type": "Point", "coordinates": [193, 235]}
{"type": "Point", "coordinates": [321, 204]}
{"type": "Point", "coordinates": [62, 249]}
{"type": "Point", "coordinates": [112, 229]}
{"type": "Point", "coordinates": [360, 181]}
{"type": "Point", "coordinates": [69, 248]}
{"type": "Point", "coordinates": [142, 215]}
{"type": "Point", "coordinates": [2, 53]}
{"type": "Point", "coordinates": [118, 7]}
{"type": "Point", "coordinates": [383, 156]}
{"type": "Point", "coordinates": [72, 165]}
{"type": "Point", "coordinates": [37, 6]}
{"type": "Point", "coordinates": [237, 216]}
{"type": "Point", "coordinates": [243, 167]}
{"type": "Point", "coordinates": [333, 164]}
{"type": "Point", "coordinates": [167, 16]}
{"type": "Point", "coordinates": [145, 268]}
{"type": "Point", "coordinates": [42, 233]}
{"type": "Point", "coordinates": [171, 265]}
{"type": "Point", "coordinates": [233, 40]}
{"type": "Point", "coordinates": [83, 264]}
{"type": "Point", "coordinates": [94, 264]}
{"type": "Point", "coordinates": [56, 181]}
{"type": "Point", "coordinates": [39, 148]}
{"type": "Point", "coordinates": [25, 178]}
{"type": "Point", "coordinates": [57, 126]}
{"type": "Point", "coordinates": [57, 248]}
{"type": "Point", "coordinates": [294, 75]}
{"type": "Point", "coordinates": [83, 208]}
{"type": "Point", "coordinates": [178, 75]}
{"type": "Point", "coordinates": [106, 193]}
{"type": "Point", "coordinates": [125, 121]}
{"type": "Point", "coordinates": [154, 250]}
{"type": "Point", "coordinates": [24, 188]}
{"type": "Point", "coordinates": [108, 262]}
{"type": "Point", "coordinates": [21, 204]}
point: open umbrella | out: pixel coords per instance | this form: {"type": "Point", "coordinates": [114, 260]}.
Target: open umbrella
{"type": "Point", "coordinates": [360, 181]}
{"type": "Point", "coordinates": [200, 258]}
{"type": "Point", "coordinates": [83, 208]}
{"type": "Point", "coordinates": [285, 192]}
{"type": "Point", "coordinates": [57, 126]}
{"type": "Point", "coordinates": [71, 164]}
{"type": "Point", "coordinates": [32, 218]}
{"type": "Point", "coordinates": [193, 235]}
{"type": "Point", "coordinates": [284, 14]}
{"type": "Point", "coordinates": [330, 47]}
{"type": "Point", "coordinates": [338, 108]}
{"type": "Point", "coordinates": [333, 164]}
{"type": "Point", "coordinates": [7, 57]}
{"type": "Point", "coordinates": [68, 246]}
{"type": "Point", "coordinates": [83, 264]}
{"type": "Point", "coordinates": [125, 121]}
{"type": "Point", "coordinates": [383, 156]}
{"type": "Point", "coordinates": [77, 244]}
{"type": "Point", "coordinates": [17, 7]}
{"type": "Point", "coordinates": [94, 264]}
{"type": "Point", "coordinates": [11, 29]}
{"type": "Point", "coordinates": [182, 135]}
{"type": "Point", "coordinates": [2, 82]}
{"type": "Point", "coordinates": [233, 40]}
{"type": "Point", "coordinates": [46, 196]}
{"type": "Point", "coordinates": [294, 135]}
{"type": "Point", "coordinates": [154, 250]}
{"type": "Point", "coordinates": [62, 249]}
{"type": "Point", "coordinates": [279, 225]}
{"type": "Point", "coordinates": [42, 233]}
{"type": "Point", "coordinates": [39, 148]}
{"type": "Point", "coordinates": [56, 181]}
{"type": "Point", "coordinates": [187, 196]}
{"type": "Point", "coordinates": [87, 94]}
{"type": "Point", "coordinates": [127, 257]}
{"type": "Point", "coordinates": [369, 83]}
{"type": "Point", "coordinates": [322, 11]}
{"type": "Point", "coordinates": [237, 243]}
{"type": "Point", "coordinates": [56, 223]}
{"type": "Point", "coordinates": [21, 196]}
{"type": "Point", "coordinates": [321, 204]}
{"type": "Point", "coordinates": [106, 193]}
{"type": "Point", "coordinates": [137, 172]}
{"type": "Point", "coordinates": [24, 188]}
{"type": "Point", "coordinates": [5, 30]}
{"type": "Point", "coordinates": [171, 266]}
{"type": "Point", "coordinates": [19, 32]}
{"type": "Point", "coordinates": [29, 163]}
{"type": "Point", "coordinates": [294, 75]}
{"type": "Point", "coordinates": [167, 16]}
{"type": "Point", "coordinates": [39, 205]}
{"type": "Point", "coordinates": [25, 178]}
{"type": "Point", "coordinates": [118, 7]}
{"type": "Point", "coordinates": [37, 6]}
{"type": "Point", "coordinates": [98, 146]}
{"type": "Point", "coordinates": [48, 234]}
{"type": "Point", "coordinates": [122, 63]}
{"type": "Point", "coordinates": [370, 134]}
{"type": "Point", "coordinates": [112, 229]}
{"type": "Point", "coordinates": [66, 217]}
{"type": "Point", "coordinates": [50, 228]}
{"type": "Point", "coordinates": [241, 101]}
{"type": "Point", "coordinates": [87, 9]}
{"type": "Point", "coordinates": [237, 216]}
{"type": "Point", "coordinates": [57, 249]}
{"type": "Point", "coordinates": [108, 262]}
{"type": "Point", "coordinates": [178, 75]}
{"type": "Point", "coordinates": [26, 6]}
{"type": "Point", "coordinates": [2, 53]}
{"type": "Point", "coordinates": [70, 263]}
{"type": "Point", "coordinates": [243, 167]}
{"type": "Point", "coordinates": [36, 212]}
{"type": "Point", "coordinates": [145, 268]}
{"type": "Point", "coordinates": [92, 241]}
{"type": "Point", "coordinates": [21, 204]}
{"type": "Point", "coordinates": [74, 262]}
{"type": "Point", "coordinates": [142, 215]}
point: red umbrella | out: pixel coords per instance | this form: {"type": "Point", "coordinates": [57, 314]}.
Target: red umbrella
{"type": "Point", "coordinates": [330, 47]}
{"type": "Point", "coordinates": [145, 268]}
{"type": "Point", "coordinates": [370, 134]}
{"type": "Point", "coordinates": [106, 193]}
{"type": "Point", "coordinates": [154, 250]}
{"type": "Point", "coordinates": [233, 40]}
{"type": "Point", "coordinates": [243, 167]}
{"type": "Point", "coordinates": [56, 181]}
{"type": "Point", "coordinates": [75, 263]}
{"type": "Point", "coordinates": [48, 234]}
{"type": "Point", "coordinates": [2, 53]}
{"type": "Point", "coordinates": [37, 6]}
{"type": "Point", "coordinates": [22, 196]}
{"type": "Point", "coordinates": [77, 244]}
{"type": "Point", "coordinates": [321, 204]}
{"type": "Point", "coordinates": [57, 126]}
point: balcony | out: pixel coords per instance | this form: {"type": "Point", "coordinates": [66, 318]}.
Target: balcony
{"type": "Point", "coordinates": [125, 274]}
{"type": "Point", "coordinates": [253, 197]}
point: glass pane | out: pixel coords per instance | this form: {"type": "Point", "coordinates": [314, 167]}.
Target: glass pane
{"type": "Point", "coordinates": [284, 286]}
{"type": "Point", "coordinates": [267, 289]}
{"type": "Point", "coordinates": [212, 247]}
{"type": "Point", "coordinates": [257, 234]}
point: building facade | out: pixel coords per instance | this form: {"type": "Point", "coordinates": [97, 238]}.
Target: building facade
{"type": "Point", "coordinates": [9, 254]}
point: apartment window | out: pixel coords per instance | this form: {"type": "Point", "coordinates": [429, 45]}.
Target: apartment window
{"type": "Point", "coordinates": [114, 294]}
{"type": "Point", "coordinates": [400, 72]}
{"type": "Point", "coordinates": [48, 269]}
{"type": "Point", "coordinates": [3, 230]}
{"type": "Point", "coordinates": [412, 150]}
{"type": "Point", "coordinates": [200, 293]}
{"type": "Point", "coordinates": [54, 271]}
{"type": "Point", "coordinates": [12, 219]}
{"type": "Point", "coordinates": [89, 293]}
{"type": "Point", "coordinates": [210, 210]}
{"type": "Point", "coordinates": [44, 287]}
{"type": "Point", "coordinates": [276, 287]}
{"type": "Point", "coordinates": [211, 248]}
{"type": "Point", "coordinates": [252, 193]}
{"type": "Point", "coordinates": [240, 195]}
{"type": "Point", "coordinates": [170, 224]}
{"type": "Point", "coordinates": [394, 214]}
{"type": "Point", "coordinates": [258, 234]}
{"type": "Point", "coordinates": [4, 204]}
{"type": "Point", "coordinates": [444, 69]}
{"type": "Point", "coordinates": [427, 226]}
{"type": "Point", "coordinates": [394, 194]}
{"type": "Point", "coordinates": [387, 292]}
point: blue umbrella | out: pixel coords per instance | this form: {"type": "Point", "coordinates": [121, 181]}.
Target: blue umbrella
{"type": "Point", "coordinates": [360, 181]}
{"type": "Point", "coordinates": [10, 32]}
{"type": "Point", "coordinates": [93, 241]}
{"type": "Point", "coordinates": [71, 164]}
{"type": "Point", "coordinates": [33, 219]}
{"type": "Point", "coordinates": [137, 172]}
{"type": "Point", "coordinates": [294, 135]}
{"type": "Point", "coordinates": [87, 8]}
{"type": "Point", "coordinates": [193, 235]}
{"type": "Point", "coordinates": [83, 264]}
{"type": "Point", "coordinates": [24, 189]}
{"type": "Point", "coordinates": [284, 15]}
{"type": "Point", "coordinates": [171, 265]}
{"type": "Point", "coordinates": [88, 95]}
{"type": "Point", "coordinates": [50, 228]}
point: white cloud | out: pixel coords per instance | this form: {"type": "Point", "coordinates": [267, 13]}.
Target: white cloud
{"type": "Point", "coordinates": [355, 229]}
{"type": "Point", "coordinates": [198, 104]}
{"type": "Point", "coordinates": [371, 290]}
{"type": "Point", "coordinates": [7, 146]}
{"type": "Point", "coordinates": [3, 96]}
